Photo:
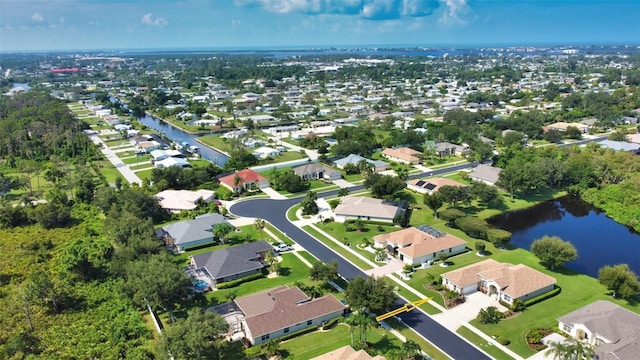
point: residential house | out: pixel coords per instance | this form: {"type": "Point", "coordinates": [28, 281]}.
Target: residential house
{"type": "Point", "coordinates": [347, 353]}
{"type": "Point", "coordinates": [506, 282]}
{"type": "Point", "coordinates": [370, 209]}
{"type": "Point", "coordinates": [244, 180]}
{"type": "Point", "coordinates": [276, 312]}
{"type": "Point", "coordinates": [445, 149]}
{"type": "Point", "coordinates": [157, 155]}
{"type": "Point", "coordinates": [611, 329]}
{"type": "Point", "coordinates": [485, 173]}
{"type": "Point", "coordinates": [620, 146]}
{"type": "Point", "coordinates": [422, 244]}
{"type": "Point", "coordinates": [147, 146]}
{"type": "Point", "coordinates": [179, 200]}
{"type": "Point", "coordinates": [562, 126]}
{"type": "Point", "coordinates": [233, 262]}
{"type": "Point", "coordinates": [190, 233]}
{"type": "Point", "coordinates": [315, 171]}
{"type": "Point", "coordinates": [402, 155]}
{"type": "Point", "coordinates": [432, 185]}
{"type": "Point", "coordinates": [355, 159]}
{"type": "Point", "coordinates": [172, 161]}
{"type": "Point", "coordinates": [634, 138]}
{"type": "Point", "coordinates": [265, 152]}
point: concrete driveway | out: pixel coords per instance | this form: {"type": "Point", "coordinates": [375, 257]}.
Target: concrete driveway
{"type": "Point", "coordinates": [272, 193]}
{"type": "Point", "coordinates": [390, 268]}
{"type": "Point", "coordinates": [453, 318]}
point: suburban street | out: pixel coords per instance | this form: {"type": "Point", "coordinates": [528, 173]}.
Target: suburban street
{"type": "Point", "coordinates": [275, 211]}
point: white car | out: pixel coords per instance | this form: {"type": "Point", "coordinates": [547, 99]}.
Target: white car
{"type": "Point", "coordinates": [282, 247]}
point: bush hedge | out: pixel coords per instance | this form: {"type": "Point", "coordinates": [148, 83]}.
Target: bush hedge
{"type": "Point", "coordinates": [234, 283]}
{"type": "Point", "coordinates": [332, 323]}
{"type": "Point", "coordinates": [473, 226]}
{"type": "Point", "coordinates": [556, 290]}
{"type": "Point", "coordinates": [451, 214]}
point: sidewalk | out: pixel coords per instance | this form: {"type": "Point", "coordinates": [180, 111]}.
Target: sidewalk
{"type": "Point", "coordinates": [110, 155]}
{"type": "Point", "coordinates": [450, 319]}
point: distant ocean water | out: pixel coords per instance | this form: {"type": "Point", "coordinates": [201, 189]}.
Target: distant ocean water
{"type": "Point", "coordinates": [386, 50]}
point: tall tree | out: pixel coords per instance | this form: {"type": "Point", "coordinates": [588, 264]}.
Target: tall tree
{"type": "Point", "coordinates": [553, 251]}
{"type": "Point", "coordinates": [156, 281]}
{"type": "Point", "coordinates": [620, 279]}
{"type": "Point", "coordinates": [259, 224]}
{"type": "Point", "coordinates": [199, 336]}
{"type": "Point", "coordinates": [221, 230]}
{"type": "Point", "coordinates": [434, 202]}
{"type": "Point", "coordinates": [374, 294]}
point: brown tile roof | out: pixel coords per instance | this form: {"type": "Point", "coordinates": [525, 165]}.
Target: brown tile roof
{"type": "Point", "coordinates": [418, 243]}
{"type": "Point", "coordinates": [429, 245]}
{"type": "Point", "coordinates": [518, 280]}
{"type": "Point", "coordinates": [437, 183]}
{"type": "Point", "coordinates": [404, 153]}
{"type": "Point", "coordinates": [280, 307]}
{"type": "Point", "coordinates": [347, 353]}
{"type": "Point", "coordinates": [468, 275]}
{"type": "Point", "coordinates": [366, 206]}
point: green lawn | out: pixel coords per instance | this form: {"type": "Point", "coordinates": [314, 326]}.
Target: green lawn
{"type": "Point", "coordinates": [307, 256]}
{"type": "Point", "coordinates": [292, 270]}
{"type": "Point", "coordinates": [487, 347]}
{"type": "Point", "coordinates": [408, 333]}
{"type": "Point", "coordinates": [280, 237]}
{"type": "Point", "coordinates": [578, 290]}
{"type": "Point", "coordinates": [337, 248]}
{"type": "Point", "coordinates": [138, 160]}
{"type": "Point", "coordinates": [217, 142]}
{"type": "Point", "coordinates": [144, 174]}
{"type": "Point", "coordinates": [291, 213]}
{"type": "Point", "coordinates": [320, 342]}
{"type": "Point", "coordinates": [109, 171]}
{"type": "Point", "coordinates": [337, 230]}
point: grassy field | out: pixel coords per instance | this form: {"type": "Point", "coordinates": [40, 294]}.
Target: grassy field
{"type": "Point", "coordinates": [487, 347]}
{"type": "Point", "coordinates": [337, 248]}
{"type": "Point", "coordinates": [320, 342]}
{"type": "Point", "coordinates": [578, 290]}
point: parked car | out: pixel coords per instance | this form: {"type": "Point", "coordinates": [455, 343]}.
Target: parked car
{"type": "Point", "coordinates": [282, 247]}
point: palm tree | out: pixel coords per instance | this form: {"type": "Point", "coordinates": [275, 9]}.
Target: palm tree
{"type": "Point", "coordinates": [259, 224]}
{"type": "Point", "coordinates": [570, 349]}
{"type": "Point", "coordinates": [352, 322]}
{"type": "Point", "coordinates": [271, 348]}
{"type": "Point", "coordinates": [237, 181]}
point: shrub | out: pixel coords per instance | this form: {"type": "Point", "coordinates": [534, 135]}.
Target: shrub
{"type": "Point", "coordinates": [332, 323]}
{"type": "Point", "coordinates": [253, 352]}
{"type": "Point", "coordinates": [480, 246]}
{"type": "Point", "coordinates": [451, 214]}
{"type": "Point", "coordinates": [518, 305]}
{"type": "Point", "coordinates": [498, 237]}
{"type": "Point", "coordinates": [556, 290]}
{"type": "Point", "coordinates": [234, 283]}
{"type": "Point", "coordinates": [334, 203]}
{"type": "Point", "coordinates": [490, 315]}
{"type": "Point", "coordinates": [473, 226]}
{"type": "Point", "coordinates": [503, 341]}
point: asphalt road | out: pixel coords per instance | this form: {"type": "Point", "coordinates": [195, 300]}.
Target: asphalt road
{"type": "Point", "coordinates": [274, 211]}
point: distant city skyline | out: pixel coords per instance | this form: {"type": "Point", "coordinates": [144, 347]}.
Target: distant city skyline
{"type": "Point", "coordinates": [39, 25]}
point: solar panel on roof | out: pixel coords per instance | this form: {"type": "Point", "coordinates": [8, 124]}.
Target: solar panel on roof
{"type": "Point", "coordinates": [431, 231]}
{"type": "Point", "coordinates": [430, 186]}
{"type": "Point", "coordinates": [420, 183]}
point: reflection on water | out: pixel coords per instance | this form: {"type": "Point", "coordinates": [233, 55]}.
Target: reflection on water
{"type": "Point", "coordinates": [599, 240]}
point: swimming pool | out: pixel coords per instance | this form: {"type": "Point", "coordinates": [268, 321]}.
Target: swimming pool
{"type": "Point", "coordinates": [201, 285]}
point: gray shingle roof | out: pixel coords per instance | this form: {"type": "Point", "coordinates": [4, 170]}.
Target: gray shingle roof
{"type": "Point", "coordinates": [184, 232]}
{"type": "Point", "coordinates": [233, 260]}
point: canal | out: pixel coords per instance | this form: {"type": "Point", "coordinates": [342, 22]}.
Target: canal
{"type": "Point", "coordinates": [599, 239]}
{"type": "Point", "coordinates": [179, 136]}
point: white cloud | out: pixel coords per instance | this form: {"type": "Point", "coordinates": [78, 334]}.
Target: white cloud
{"type": "Point", "coordinates": [454, 12]}
{"type": "Point", "coordinates": [149, 20]}
{"type": "Point", "coordinates": [37, 17]}
{"type": "Point", "coordinates": [368, 9]}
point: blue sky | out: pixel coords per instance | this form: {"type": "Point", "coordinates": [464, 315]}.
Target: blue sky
{"type": "Point", "coordinates": [239, 24]}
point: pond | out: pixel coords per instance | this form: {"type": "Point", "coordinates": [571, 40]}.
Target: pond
{"type": "Point", "coordinates": [599, 239]}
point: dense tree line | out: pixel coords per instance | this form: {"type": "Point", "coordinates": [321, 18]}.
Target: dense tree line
{"type": "Point", "coordinates": [37, 126]}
